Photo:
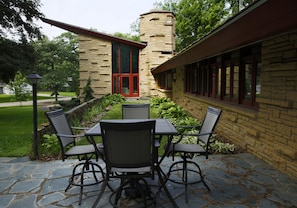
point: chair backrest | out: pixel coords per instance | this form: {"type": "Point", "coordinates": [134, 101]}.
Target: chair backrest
{"type": "Point", "coordinates": [129, 144]}
{"type": "Point", "coordinates": [61, 126]}
{"type": "Point", "coordinates": [136, 111]}
{"type": "Point", "coordinates": [211, 118]}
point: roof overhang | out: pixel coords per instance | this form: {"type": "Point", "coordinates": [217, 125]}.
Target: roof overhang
{"type": "Point", "coordinates": [83, 31]}
{"type": "Point", "coordinates": [262, 19]}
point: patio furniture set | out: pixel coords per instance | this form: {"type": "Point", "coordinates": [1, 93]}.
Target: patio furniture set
{"type": "Point", "coordinates": [129, 150]}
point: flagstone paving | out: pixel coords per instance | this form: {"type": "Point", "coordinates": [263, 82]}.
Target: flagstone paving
{"type": "Point", "coordinates": [237, 180]}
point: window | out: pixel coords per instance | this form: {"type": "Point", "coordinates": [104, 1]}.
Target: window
{"type": "Point", "coordinates": [125, 70]}
{"type": "Point", "coordinates": [164, 80]}
{"type": "Point", "coordinates": [231, 77]}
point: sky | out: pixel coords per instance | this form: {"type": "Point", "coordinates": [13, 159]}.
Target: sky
{"type": "Point", "coordinates": [108, 16]}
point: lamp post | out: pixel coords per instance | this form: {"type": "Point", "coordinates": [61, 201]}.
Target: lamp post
{"type": "Point", "coordinates": [33, 78]}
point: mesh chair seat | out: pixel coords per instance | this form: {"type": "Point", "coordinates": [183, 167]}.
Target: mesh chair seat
{"type": "Point", "coordinates": [81, 150]}
{"type": "Point", "coordinates": [186, 148]}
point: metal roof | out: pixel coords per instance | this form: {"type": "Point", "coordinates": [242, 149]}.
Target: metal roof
{"type": "Point", "coordinates": [92, 33]}
{"type": "Point", "coordinates": [262, 19]}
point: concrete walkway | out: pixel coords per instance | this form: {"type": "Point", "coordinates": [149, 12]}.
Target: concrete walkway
{"type": "Point", "coordinates": [44, 102]}
{"type": "Point", "coordinates": [238, 180]}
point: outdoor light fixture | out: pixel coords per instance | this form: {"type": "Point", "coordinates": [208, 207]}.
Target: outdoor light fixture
{"type": "Point", "coordinates": [33, 79]}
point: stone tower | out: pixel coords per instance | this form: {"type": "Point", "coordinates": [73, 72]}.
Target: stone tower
{"type": "Point", "coordinates": [157, 30]}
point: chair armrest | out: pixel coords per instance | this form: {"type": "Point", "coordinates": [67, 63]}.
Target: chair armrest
{"type": "Point", "coordinates": [191, 134]}
{"type": "Point", "coordinates": [205, 133]}
{"type": "Point", "coordinates": [157, 142]}
{"type": "Point", "coordinates": [188, 127]}
{"type": "Point", "coordinates": [80, 128]}
{"type": "Point", "coordinates": [70, 136]}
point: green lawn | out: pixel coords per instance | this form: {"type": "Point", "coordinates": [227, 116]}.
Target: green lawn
{"type": "Point", "coordinates": [11, 98]}
{"type": "Point", "coordinates": [66, 94]}
{"type": "Point", "coordinates": [16, 126]}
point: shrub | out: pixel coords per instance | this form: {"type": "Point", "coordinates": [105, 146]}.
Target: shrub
{"type": "Point", "coordinates": [49, 148]}
{"type": "Point", "coordinates": [179, 117]}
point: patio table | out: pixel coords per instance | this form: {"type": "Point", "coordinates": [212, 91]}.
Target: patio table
{"type": "Point", "coordinates": [163, 128]}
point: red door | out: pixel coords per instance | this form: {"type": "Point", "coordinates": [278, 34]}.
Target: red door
{"type": "Point", "coordinates": [126, 84]}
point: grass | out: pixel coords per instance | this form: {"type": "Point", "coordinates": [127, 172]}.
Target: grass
{"type": "Point", "coordinates": [66, 94]}
{"type": "Point", "coordinates": [11, 98]}
{"type": "Point", "coordinates": [16, 126]}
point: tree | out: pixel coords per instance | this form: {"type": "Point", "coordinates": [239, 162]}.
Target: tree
{"type": "Point", "coordinates": [167, 5]}
{"type": "Point", "coordinates": [88, 91]}
{"type": "Point", "coordinates": [57, 61]}
{"type": "Point", "coordinates": [127, 36]}
{"type": "Point", "coordinates": [17, 18]}
{"type": "Point", "coordinates": [196, 18]}
{"type": "Point", "coordinates": [18, 86]}
{"type": "Point", "coordinates": [236, 5]}
{"type": "Point", "coordinates": [16, 28]}
{"type": "Point", "coordinates": [54, 82]}
{"type": "Point", "coordinates": [15, 57]}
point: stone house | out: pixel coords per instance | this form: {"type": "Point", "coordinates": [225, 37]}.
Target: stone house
{"type": "Point", "coordinates": [247, 67]}
{"type": "Point", "coordinates": [117, 65]}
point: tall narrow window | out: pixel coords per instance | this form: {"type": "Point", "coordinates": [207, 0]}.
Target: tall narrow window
{"type": "Point", "coordinates": [247, 80]}
{"type": "Point", "coordinates": [235, 83]}
{"type": "Point", "coordinates": [125, 70]}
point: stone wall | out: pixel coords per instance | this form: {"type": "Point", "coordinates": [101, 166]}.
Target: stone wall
{"type": "Point", "coordinates": [95, 63]}
{"type": "Point", "coordinates": [72, 115]}
{"type": "Point", "coordinates": [271, 132]}
{"type": "Point", "coordinates": [157, 29]}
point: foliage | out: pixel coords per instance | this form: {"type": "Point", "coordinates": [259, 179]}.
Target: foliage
{"type": "Point", "coordinates": [54, 82]}
{"type": "Point", "coordinates": [17, 22]}
{"type": "Point", "coordinates": [236, 5]}
{"type": "Point", "coordinates": [17, 85]}
{"type": "Point", "coordinates": [69, 104]}
{"type": "Point", "coordinates": [178, 116]}
{"type": "Point", "coordinates": [18, 17]}
{"type": "Point", "coordinates": [196, 18]}
{"type": "Point", "coordinates": [222, 147]}
{"type": "Point", "coordinates": [57, 61]}
{"type": "Point", "coordinates": [127, 36]}
{"type": "Point", "coordinates": [107, 101]}
{"type": "Point", "coordinates": [15, 57]}
{"type": "Point", "coordinates": [167, 5]}
{"type": "Point", "coordinates": [50, 147]}
{"type": "Point", "coordinates": [88, 91]}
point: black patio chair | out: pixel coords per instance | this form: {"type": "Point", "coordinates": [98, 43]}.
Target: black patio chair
{"type": "Point", "coordinates": [129, 157]}
{"type": "Point", "coordinates": [136, 111]}
{"type": "Point", "coordinates": [188, 151]}
{"type": "Point", "coordinates": [84, 153]}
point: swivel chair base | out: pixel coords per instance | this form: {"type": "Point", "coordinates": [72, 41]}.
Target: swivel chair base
{"type": "Point", "coordinates": [77, 177]}
{"type": "Point", "coordinates": [185, 171]}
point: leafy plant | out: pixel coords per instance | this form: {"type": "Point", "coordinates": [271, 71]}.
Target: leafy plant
{"type": "Point", "coordinates": [88, 91]}
{"type": "Point", "coordinates": [18, 85]}
{"type": "Point", "coordinates": [221, 147]}
{"type": "Point", "coordinates": [50, 147]}
{"type": "Point", "coordinates": [178, 116]}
